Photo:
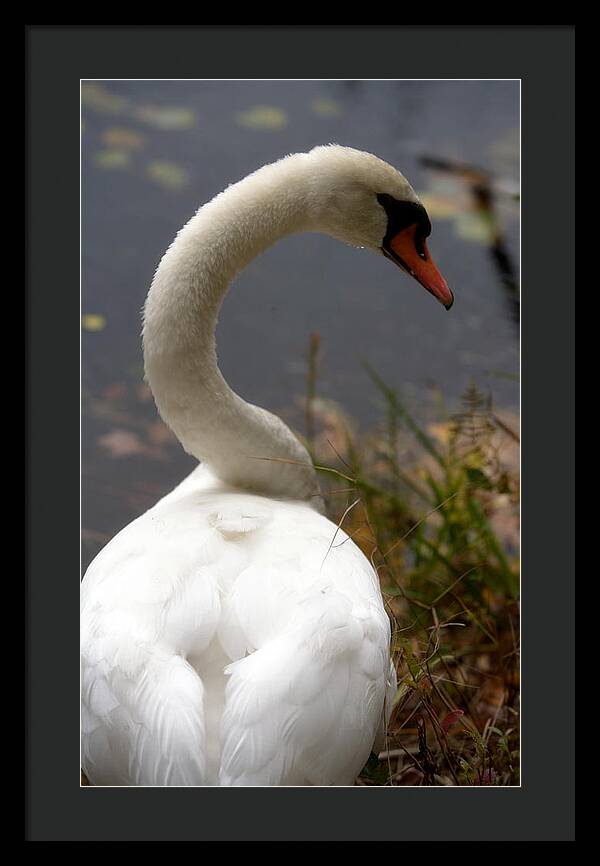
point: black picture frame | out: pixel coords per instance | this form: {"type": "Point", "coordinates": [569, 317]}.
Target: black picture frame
{"type": "Point", "coordinates": [57, 57]}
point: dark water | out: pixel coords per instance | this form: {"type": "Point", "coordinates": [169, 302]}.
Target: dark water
{"type": "Point", "coordinates": [153, 151]}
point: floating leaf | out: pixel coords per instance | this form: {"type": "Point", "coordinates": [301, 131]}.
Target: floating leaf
{"type": "Point", "coordinates": [159, 433]}
{"type": "Point", "coordinates": [451, 719]}
{"type": "Point", "coordinates": [122, 139]}
{"type": "Point", "coordinates": [122, 443]}
{"type": "Point", "coordinates": [166, 117]}
{"type": "Point", "coordinates": [262, 117]}
{"type": "Point", "coordinates": [98, 98]}
{"type": "Point", "coordinates": [439, 207]}
{"type": "Point", "coordinates": [115, 391]}
{"type": "Point", "coordinates": [111, 159]}
{"type": "Point", "coordinates": [167, 174]}
{"type": "Point", "coordinates": [93, 322]}
{"type": "Point", "coordinates": [473, 227]}
{"type": "Point", "coordinates": [326, 107]}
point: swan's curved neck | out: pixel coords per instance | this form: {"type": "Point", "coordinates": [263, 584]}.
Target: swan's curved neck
{"type": "Point", "coordinates": [244, 445]}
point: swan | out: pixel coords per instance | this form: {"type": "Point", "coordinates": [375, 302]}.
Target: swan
{"type": "Point", "coordinates": [225, 640]}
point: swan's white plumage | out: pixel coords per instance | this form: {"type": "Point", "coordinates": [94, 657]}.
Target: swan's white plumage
{"type": "Point", "coordinates": [232, 634]}
{"type": "Point", "coordinates": [215, 600]}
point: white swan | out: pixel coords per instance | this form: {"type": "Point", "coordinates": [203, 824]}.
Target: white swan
{"type": "Point", "coordinates": [225, 641]}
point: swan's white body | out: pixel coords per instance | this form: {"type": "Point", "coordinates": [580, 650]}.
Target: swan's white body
{"type": "Point", "coordinates": [227, 642]}
{"type": "Point", "coordinates": [232, 635]}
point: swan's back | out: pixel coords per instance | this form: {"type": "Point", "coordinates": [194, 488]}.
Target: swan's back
{"type": "Point", "coordinates": [231, 639]}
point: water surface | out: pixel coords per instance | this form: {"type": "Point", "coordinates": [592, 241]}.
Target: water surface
{"type": "Point", "coordinates": [152, 152]}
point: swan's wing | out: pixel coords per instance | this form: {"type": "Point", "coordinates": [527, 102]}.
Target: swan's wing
{"type": "Point", "coordinates": [147, 600]}
{"type": "Point", "coordinates": [304, 708]}
{"type": "Point", "coordinates": [143, 730]}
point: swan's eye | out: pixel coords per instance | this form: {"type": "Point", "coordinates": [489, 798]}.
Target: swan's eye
{"type": "Point", "coordinates": [420, 245]}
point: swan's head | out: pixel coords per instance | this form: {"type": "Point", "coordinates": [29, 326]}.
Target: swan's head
{"type": "Point", "coordinates": [364, 201]}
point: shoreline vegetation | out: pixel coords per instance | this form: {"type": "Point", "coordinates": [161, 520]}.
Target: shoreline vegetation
{"type": "Point", "coordinates": [436, 510]}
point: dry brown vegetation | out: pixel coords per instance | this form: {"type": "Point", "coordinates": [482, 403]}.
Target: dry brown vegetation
{"type": "Point", "coordinates": [436, 509]}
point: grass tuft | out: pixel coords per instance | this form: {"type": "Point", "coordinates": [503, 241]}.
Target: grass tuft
{"type": "Point", "coordinates": [435, 508]}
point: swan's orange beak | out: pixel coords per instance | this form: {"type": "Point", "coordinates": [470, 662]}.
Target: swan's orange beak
{"type": "Point", "coordinates": [413, 256]}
